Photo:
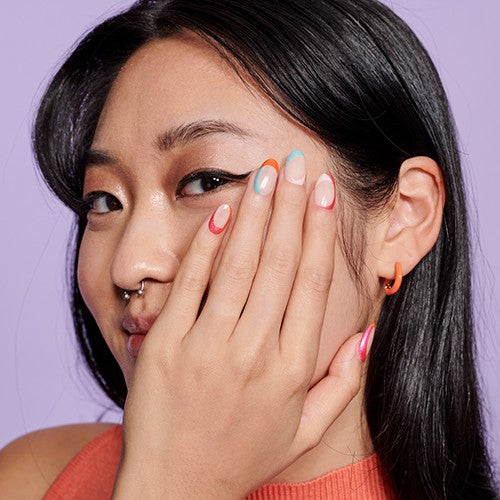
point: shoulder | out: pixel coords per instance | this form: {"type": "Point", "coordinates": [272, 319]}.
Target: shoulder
{"type": "Point", "coordinates": [31, 463]}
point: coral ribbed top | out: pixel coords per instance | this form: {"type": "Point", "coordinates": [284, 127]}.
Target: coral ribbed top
{"type": "Point", "coordinates": [91, 474]}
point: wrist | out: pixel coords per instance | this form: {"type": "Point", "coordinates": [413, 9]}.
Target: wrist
{"type": "Point", "coordinates": [130, 485]}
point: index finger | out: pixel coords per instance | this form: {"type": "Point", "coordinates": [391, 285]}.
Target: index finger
{"type": "Point", "coordinates": [182, 305]}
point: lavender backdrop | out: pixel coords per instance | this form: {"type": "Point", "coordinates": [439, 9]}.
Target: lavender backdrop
{"type": "Point", "coordinates": [42, 382]}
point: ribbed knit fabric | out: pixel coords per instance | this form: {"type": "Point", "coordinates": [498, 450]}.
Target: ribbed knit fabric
{"type": "Point", "coordinates": [91, 473]}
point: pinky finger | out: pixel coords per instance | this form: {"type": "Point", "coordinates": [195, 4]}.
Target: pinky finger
{"type": "Point", "coordinates": [326, 400]}
{"type": "Point", "coordinates": [181, 308]}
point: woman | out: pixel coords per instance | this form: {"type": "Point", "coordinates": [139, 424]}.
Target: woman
{"type": "Point", "coordinates": [152, 132]}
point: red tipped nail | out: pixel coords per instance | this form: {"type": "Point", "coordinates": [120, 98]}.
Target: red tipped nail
{"type": "Point", "coordinates": [365, 343]}
{"type": "Point", "coordinates": [219, 219]}
{"type": "Point", "coordinates": [325, 191]}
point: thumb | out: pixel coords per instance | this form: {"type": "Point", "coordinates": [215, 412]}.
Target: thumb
{"type": "Point", "coordinates": [328, 398]}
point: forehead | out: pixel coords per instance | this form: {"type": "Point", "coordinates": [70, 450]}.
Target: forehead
{"type": "Point", "coordinates": [182, 79]}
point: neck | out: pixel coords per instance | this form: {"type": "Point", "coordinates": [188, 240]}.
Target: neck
{"type": "Point", "coordinates": [346, 441]}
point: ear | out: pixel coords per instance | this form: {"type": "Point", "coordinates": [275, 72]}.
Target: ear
{"type": "Point", "coordinates": [414, 222]}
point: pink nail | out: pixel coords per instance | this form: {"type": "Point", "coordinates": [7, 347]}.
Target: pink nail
{"type": "Point", "coordinates": [220, 218]}
{"type": "Point", "coordinates": [325, 192]}
{"type": "Point", "coordinates": [365, 343]}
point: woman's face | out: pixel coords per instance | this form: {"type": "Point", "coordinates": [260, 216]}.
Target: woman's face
{"type": "Point", "coordinates": [143, 227]}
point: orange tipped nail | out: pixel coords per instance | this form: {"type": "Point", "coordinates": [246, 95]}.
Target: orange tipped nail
{"type": "Point", "coordinates": [273, 163]}
{"type": "Point", "coordinates": [265, 180]}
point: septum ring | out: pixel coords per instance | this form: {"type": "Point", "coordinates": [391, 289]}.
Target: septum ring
{"type": "Point", "coordinates": [126, 293]}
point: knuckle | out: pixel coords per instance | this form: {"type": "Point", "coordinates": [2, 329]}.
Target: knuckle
{"type": "Point", "coordinates": [309, 439]}
{"type": "Point", "coordinates": [297, 375]}
{"type": "Point", "coordinates": [160, 355]}
{"type": "Point", "coordinates": [204, 365]}
{"type": "Point", "coordinates": [250, 363]}
{"type": "Point", "coordinates": [352, 387]}
{"type": "Point", "coordinates": [254, 205]}
{"type": "Point", "coordinates": [240, 268]}
{"type": "Point", "coordinates": [316, 279]}
{"type": "Point", "coordinates": [291, 200]}
{"type": "Point", "coordinates": [192, 280]}
{"type": "Point", "coordinates": [201, 249]}
{"type": "Point", "coordinates": [282, 261]}
{"type": "Point", "coordinates": [313, 440]}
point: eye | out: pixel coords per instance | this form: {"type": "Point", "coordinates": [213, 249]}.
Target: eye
{"type": "Point", "coordinates": [100, 202]}
{"type": "Point", "coordinates": [203, 181]}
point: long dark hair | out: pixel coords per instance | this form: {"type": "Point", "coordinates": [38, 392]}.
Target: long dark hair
{"type": "Point", "coordinates": [354, 73]}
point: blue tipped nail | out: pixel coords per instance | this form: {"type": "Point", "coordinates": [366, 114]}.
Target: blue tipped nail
{"type": "Point", "coordinates": [293, 154]}
{"type": "Point", "coordinates": [295, 168]}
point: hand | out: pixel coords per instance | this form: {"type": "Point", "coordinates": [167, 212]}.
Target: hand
{"type": "Point", "coordinates": [222, 403]}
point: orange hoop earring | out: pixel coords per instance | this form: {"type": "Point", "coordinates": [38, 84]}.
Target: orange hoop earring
{"type": "Point", "coordinates": [391, 289]}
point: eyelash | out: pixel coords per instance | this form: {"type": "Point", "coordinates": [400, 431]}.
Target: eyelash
{"type": "Point", "coordinates": [208, 174]}
{"type": "Point", "coordinates": [90, 199]}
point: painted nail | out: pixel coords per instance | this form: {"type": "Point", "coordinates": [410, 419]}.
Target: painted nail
{"type": "Point", "coordinates": [364, 345]}
{"type": "Point", "coordinates": [266, 177]}
{"type": "Point", "coordinates": [220, 218]}
{"type": "Point", "coordinates": [325, 191]}
{"type": "Point", "coordinates": [295, 167]}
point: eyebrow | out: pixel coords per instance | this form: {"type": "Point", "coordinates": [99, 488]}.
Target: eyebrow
{"type": "Point", "coordinates": [176, 136]}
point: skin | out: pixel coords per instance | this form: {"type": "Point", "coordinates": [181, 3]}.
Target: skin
{"type": "Point", "coordinates": [150, 236]}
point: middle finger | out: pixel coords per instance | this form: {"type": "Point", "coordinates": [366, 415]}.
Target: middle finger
{"type": "Point", "coordinates": [281, 256]}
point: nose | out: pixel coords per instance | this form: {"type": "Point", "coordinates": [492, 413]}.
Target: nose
{"type": "Point", "coordinates": [147, 249]}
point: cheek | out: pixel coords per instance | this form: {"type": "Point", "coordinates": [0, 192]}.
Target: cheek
{"type": "Point", "coordinates": [343, 316]}
{"type": "Point", "coordinates": [93, 273]}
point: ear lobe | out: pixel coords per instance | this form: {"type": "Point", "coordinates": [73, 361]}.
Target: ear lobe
{"type": "Point", "coordinates": [413, 225]}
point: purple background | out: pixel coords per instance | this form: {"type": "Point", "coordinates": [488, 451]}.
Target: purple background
{"type": "Point", "coordinates": [42, 382]}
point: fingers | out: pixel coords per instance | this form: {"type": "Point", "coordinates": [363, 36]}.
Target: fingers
{"type": "Point", "coordinates": [264, 284]}
{"type": "Point", "coordinates": [280, 257]}
{"type": "Point", "coordinates": [329, 397]}
{"type": "Point", "coordinates": [232, 283]}
{"type": "Point", "coordinates": [300, 333]}
{"type": "Point", "coordinates": [182, 305]}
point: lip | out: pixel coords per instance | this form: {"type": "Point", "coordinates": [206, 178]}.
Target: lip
{"type": "Point", "coordinates": [137, 327]}
{"type": "Point", "coordinates": [134, 343]}
{"type": "Point", "coordinates": [138, 324]}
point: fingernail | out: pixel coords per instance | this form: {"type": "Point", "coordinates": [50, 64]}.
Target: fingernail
{"type": "Point", "coordinates": [295, 167]}
{"type": "Point", "coordinates": [324, 191]}
{"type": "Point", "coordinates": [219, 219]}
{"type": "Point", "coordinates": [365, 343]}
{"type": "Point", "coordinates": [266, 177]}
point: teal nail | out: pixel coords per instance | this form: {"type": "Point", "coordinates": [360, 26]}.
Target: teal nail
{"type": "Point", "coordinates": [293, 154]}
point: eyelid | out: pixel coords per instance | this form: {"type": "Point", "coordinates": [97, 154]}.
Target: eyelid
{"type": "Point", "coordinates": [196, 174]}
{"type": "Point", "coordinates": [90, 197]}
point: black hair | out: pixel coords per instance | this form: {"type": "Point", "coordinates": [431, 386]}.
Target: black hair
{"type": "Point", "coordinates": [353, 73]}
